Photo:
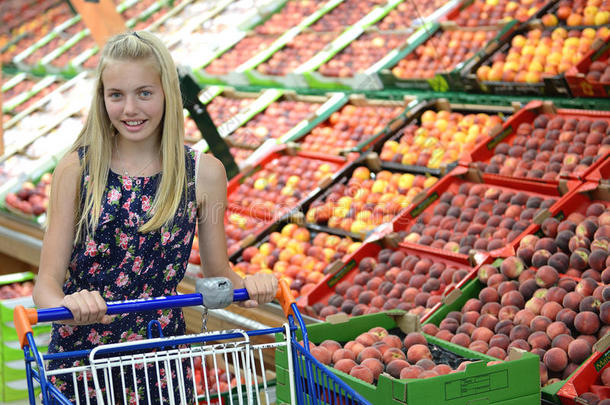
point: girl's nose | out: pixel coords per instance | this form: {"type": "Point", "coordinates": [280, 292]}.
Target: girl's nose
{"type": "Point", "coordinates": [130, 105]}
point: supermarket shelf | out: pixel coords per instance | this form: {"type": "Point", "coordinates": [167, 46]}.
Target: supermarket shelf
{"type": "Point", "coordinates": [19, 239]}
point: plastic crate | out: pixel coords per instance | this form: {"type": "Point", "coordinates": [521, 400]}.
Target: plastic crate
{"type": "Point", "coordinates": [449, 77]}
{"type": "Point", "coordinates": [356, 135]}
{"type": "Point", "coordinates": [259, 204]}
{"type": "Point", "coordinates": [346, 271]}
{"type": "Point", "coordinates": [463, 177]}
{"type": "Point", "coordinates": [485, 151]}
{"type": "Point", "coordinates": [365, 208]}
{"type": "Point", "coordinates": [414, 117]}
{"type": "Point", "coordinates": [511, 382]}
{"type": "Point", "coordinates": [550, 84]}
{"type": "Point", "coordinates": [587, 377]}
{"type": "Point", "coordinates": [576, 76]}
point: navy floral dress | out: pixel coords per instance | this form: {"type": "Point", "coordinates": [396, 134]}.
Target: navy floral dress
{"type": "Point", "coordinates": [123, 264]}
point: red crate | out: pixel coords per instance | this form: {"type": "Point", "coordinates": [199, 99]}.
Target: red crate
{"type": "Point", "coordinates": [587, 378]}
{"type": "Point", "coordinates": [461, 176]}
{"type": "Point", "coordinates": [348, 269]}
{"type": "Point", "coordinates": [576, 76]}
{"type": "Point", "coordinates": [485, 152]}
{"type": "Point", "coordinates": [601, 172]}
{"type": "Point", "coordinates": [260, 205]}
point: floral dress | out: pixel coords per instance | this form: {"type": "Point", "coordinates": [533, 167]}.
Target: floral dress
{"type": "Point", "coordinates": [123, 264]}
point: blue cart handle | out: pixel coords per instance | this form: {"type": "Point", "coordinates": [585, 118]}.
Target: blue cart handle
{"type": "Point", "coordinates": [215, 292]}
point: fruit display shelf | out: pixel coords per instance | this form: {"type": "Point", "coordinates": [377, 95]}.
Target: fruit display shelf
{"type": "Point", "coordinates": [577, 12]}
{"type": "Point", "coordinates": [591, 76]}
{"type": "Point", "coordinates": [68, 32]}
{"type": "Point", "coordinates": [475, 13]}
{"type": "Point", "coordinates": [355, 127]}
{"type": "Point", "coordinates": [435, 135]}
{"type": "Point", "coordinates": [47, 24]}
{"type": "Point", "coordinates": [284, 66]}
{"type": "Point", "coordinates": [294, 251]}
{"type": "Point", "coordinates": [281, 182]}
{"type": "Point", "coordinates": [364, 198]}
{"type": "Point", "coordinates": [23, 90]}
{"type": "Point", "coordinates": [544, 144]}
{"type": "Point", "coordinates": [590, 382]}
{"type": "Point", "coordinates": [432, 60]}
{"type": "Point", "coordinates": [278, 27]}
{"type": "Point", "coordinates": [208, 36]}
{"type": "Point", "coordinates": [377, 277]}
{"type": "Point", "coordinates": [453, 375]}
{"type": "Point", "coordinates": [467, 214]}
{"type": "Point", "coordinates": [46, 114]}
{"type": "Point", "coordinates": [532, 61]}
{"type": "Point", "coordinates": [556, 317]}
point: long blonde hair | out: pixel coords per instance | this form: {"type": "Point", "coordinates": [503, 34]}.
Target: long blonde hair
{"type": "Point", "coordinates": [97, 136]}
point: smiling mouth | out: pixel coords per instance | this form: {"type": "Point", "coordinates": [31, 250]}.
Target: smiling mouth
{"type": "Point", "coordinates": [133, 123]}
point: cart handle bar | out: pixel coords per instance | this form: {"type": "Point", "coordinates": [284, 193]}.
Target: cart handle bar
{"type": "Point", "coordinates": [24, 318]}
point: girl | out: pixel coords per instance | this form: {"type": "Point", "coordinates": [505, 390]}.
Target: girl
{"type": "Point", "coordinates": [124, 204]}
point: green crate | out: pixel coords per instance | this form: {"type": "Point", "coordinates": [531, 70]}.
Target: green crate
{"type": "Point", "coordinates": [471, 290]}
{"type": "Point", "coordinates": [512, 382]}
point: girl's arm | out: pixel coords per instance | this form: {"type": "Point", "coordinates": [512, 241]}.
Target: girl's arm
{"type": "Point", "coordinates": [212, 202]}
{"type": "Point", "coordinates": [86, 306]}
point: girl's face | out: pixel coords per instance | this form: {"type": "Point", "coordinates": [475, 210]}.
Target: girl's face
{"type": "Point", "coordinates": [134, 99]}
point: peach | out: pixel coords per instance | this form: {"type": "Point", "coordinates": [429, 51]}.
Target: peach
{"type": "Point", "coordinates": [586, 323]}
{"type": "Point", "coordinates": [374, 365]}
{"type": "Point", "coordinates": [411, 372]}
{"type": "Point", "coordinates": [321, 354]}
{"type": "Point", "coordinates": [362, 373]}
{"type": "Point", "coordinates": [426, 364]}
{"type": "Point", "coordinates": [354, 347]}
{"type": "Point", "coordinates": [367, 339]}
{"type": "Point", "coordinates": [345, 365]}
{"type": "Point", "coordinates": [331, 345]}
{"type": "Point", "coordinates": [579, 350]}
{"type": "Point", "coordinates": [417, 352]}
{"type": "Point", "coordinates": [392, 341]}
{"type": "Point", "coordinates": [539, 340]}
{"type": "Point", "coordinates": [555, 359]}
{"type": "Point", "coordinates": [556, 328]}
{"type": "Point", "coordinates": [396, 366]}
{"type": "Point", "coordinates": [461, 339]}
{"type": "Point", "coordinates": [393, 353]}
{"type": "Point", "coordinates": [414, 338]}
{"type": "Point", "coordinates": [341, 354]}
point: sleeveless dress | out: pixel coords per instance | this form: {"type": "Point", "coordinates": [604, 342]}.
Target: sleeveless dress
{"type": "Point", "coordinates": [124, 264]}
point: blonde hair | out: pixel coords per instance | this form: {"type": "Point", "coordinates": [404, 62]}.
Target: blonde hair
{"type": "Point", "coordinates": [97, 136]}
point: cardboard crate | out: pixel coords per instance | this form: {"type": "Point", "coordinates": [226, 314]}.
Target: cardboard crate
{"type": "Point", "coordinates": [576, 76]}
{"type": "Point", "coordinates": [414, 117]}
{"type": "Point", "coordinates": [601, 173]}
{"type": "Point", "coordinates": [484, 152]}
{"type": "Point", "coordinates": [511, 382]}
{"type": "Point", "coordinates": [347, 269]}
{"type": "Point", "coordinates": [467, 178]}
{"type": "Point", "coordinates": [588, 376]}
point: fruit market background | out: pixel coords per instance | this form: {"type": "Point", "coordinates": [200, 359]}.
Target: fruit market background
{"type": "Point", "coordinates": [430, 177]}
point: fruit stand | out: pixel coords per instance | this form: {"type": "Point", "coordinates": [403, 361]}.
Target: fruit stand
{"type": "Point", "coordinates": [431, 178]}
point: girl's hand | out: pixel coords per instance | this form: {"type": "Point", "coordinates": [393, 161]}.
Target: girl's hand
{"type": "Point", "coordinates": [87, 307]}
{"type": "Point", "coordinates": [262, 288]}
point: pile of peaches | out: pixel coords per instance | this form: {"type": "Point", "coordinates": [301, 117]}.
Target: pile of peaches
{"type": "Point", "coordinates": [240, 53]}
{"type": "Point", "coordinates": [403, 15]}
{"type": "Point", "coordinates": [297, 255]}
{"type": "Point", "coordinates": [552, 299]}
{"type": "Point", "coordinates": [31, 200]}
{"type": "Point", "coordinates": [440, 138]}
{"type": "Point", "coordinates": [474, 216]}
{"type": "Point", "coordinates": [549, 147]}
{"type": "Point", "coordinates": [394, 279]}
{"type": "Point", "coordinates": [289, 16]}
{"type": "Point", "coordinates": [281, 184]}
{"type": "Point", "coordinates": [348, 127]}
{"type": "Point", "coordinates": [222, 108]}
{"type": "Point", "coordinates": [579, 12]}
{"type": "Point", "coordinates": [277, 119]}
{"type": "Point", "coordinates": [367, 200]}
{"type": "Point", "coordinates": [378, 351]}
{"type": "Point", "coordinates": [599, 71]}
{"type": "Point", "coordinates": [540, 53]}
{"type": "Point", "coordinates": [442, 53]}
{"type": "Point", "coordinates": [488, 12]}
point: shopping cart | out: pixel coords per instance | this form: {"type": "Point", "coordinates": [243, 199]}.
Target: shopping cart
{"type": "Point", "coordinates": [105, 372]}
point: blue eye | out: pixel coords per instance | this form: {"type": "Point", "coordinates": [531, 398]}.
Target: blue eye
{"type": "Point", "coordinates": [114, 95]}
{"type": "Point", "coordinates": [145, 93]}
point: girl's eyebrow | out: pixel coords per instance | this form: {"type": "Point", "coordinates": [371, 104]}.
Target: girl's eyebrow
{"type": "Point", "coordinates": [139, 88]}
